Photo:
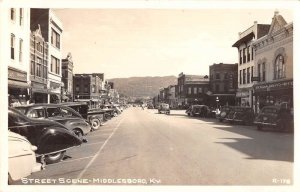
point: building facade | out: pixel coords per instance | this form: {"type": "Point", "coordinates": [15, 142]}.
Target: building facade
{"type": "Point", "coordinates": [38, 67]}
{"type": "Point", "coordinates": [52, 29]}
{"type": "Point", "coordinates": [274, 65]}
{"type": "Point", "coordinates": [192, 89]}
{"type": "Point", "coordinates": [246, 54]}
{"type": "Point", "coordinates": [18, 66]}
{"type": "Point", "coordinates": [67, 78]}
{"type": "Point", "coordinates": [223, 83]}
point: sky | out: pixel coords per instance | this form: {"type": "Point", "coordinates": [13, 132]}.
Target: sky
{"type": "Point", "coordinates": [155, 42]}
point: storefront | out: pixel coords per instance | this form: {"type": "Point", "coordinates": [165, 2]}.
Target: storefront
{"type": "Point", "coordinates": [274, 93]}
{"type": "Point", "coordinates": [17, 87]}
{"type": "Point", "coordinates": [39, 93]}
{"type": "Point", "coordinates": [243, 97]}
{"type": "Point", "coordinates": [54, 92]}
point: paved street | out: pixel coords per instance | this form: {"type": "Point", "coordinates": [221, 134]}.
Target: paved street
{"type": "Point", "coordinates": [175, 149]}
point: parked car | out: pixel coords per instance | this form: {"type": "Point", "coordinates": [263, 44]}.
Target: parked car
{"type": "Point", "coordinates": [21, 157]}
{"type": "Point", "coordinates": [275, 117]}
{"type": "Point", "coordinates": [242, 115]}
{"type": "Point", "coordinates": [59, 113]}
{"type": "Point", "coordinates": [223, 113]}
{"type": "Point", "coordinates": [94, 116]}
{"type": "Point", "coordinates": [164, 108]}
{"type": "Point", "coordinates": [198, 110]}
{"type": "Point", "coordinates": [51, 138]}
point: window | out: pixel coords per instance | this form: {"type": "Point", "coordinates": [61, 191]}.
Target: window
{"type": "Point", "coordinates": [226, 76]}
{"type": "Point", "coordinates": [12, 14]}
{"type": "Point", "coordinates": [241, 58]}
{"type": "Point", "coordinates": [217, 87]}
{"type": "Point", "coordinates": [32, 65]}
{"type": "Point", "coordinates": [20, 50]}
{"type": "Point", "coordinates": [244, 76]}
{"type": "Point", "coordinates": [77, 88]}
{"type": "Point", "coordinates": [86, 89]}
{"type": "Point", "coordinates": [279, 72]}
{"type": "Point", "coordinates": [94, 89]}
{"type": "Point", "coordinates": [248, 75]}
{"type": "Point", "coordinates": [240, 76]}
{"type": "Point", "coordinates": [53, 112]}
{"type": "Point", "coordinates": [217, 75]}
{"type": "Point", "coordinates": [200, 90]}
{"type": "Point", "coordinates": [55, 65]}
{"type": "Point", "coordinates": [244, 55]}
{"type": "Point", "coordinates": [258, 72]}
{"type": "Point", "coordinates": [12, 46]}
{"type": "Point", "coordinates": [55, 38]}
{"type": "Point", "coordinates": [252, 53]}
{"type": "Point", "coordinates": [190, 91]}
{"type": "Point", "coordinates": [195, 90]}
{"type": "Point", "coordinates": [37, 113]}
{"type": "Point", "coordinates": [248, 53]}
{"type": "Point", "coordinates": [263, 72]}
{"type": "Point", "coordinates": [251, 72]}
{"type": "Point", "coordinates": [21, 16]}
{"type": "Point", "coordinates": [38, 67]}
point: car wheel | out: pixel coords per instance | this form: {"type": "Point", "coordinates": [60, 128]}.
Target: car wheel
{"type": "Point", "coordinates": [78, 133]}
{"type": "Point", "coordinates": [55, 157]}
{"type": "Point", "coordinates": [95, 122]}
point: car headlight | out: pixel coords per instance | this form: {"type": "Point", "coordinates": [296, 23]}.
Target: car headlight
{"type": "Point", "coordinates": [33, 147]}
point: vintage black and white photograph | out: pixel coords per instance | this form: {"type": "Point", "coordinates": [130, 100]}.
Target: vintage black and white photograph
{"type": "Point", "coordinates": [149, 96]}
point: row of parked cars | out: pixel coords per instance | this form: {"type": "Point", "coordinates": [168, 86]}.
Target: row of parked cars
{"type": "Point", "coordinates": [278, 117]}
{"type": "Point", "coordinates": [40, 134]}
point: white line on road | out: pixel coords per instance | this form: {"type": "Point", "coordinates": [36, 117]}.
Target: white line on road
{"type": "Point", "coordinates": [98, 152]}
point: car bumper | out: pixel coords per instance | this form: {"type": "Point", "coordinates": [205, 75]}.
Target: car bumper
{"type": "Point", "coordinates": [265, 124]}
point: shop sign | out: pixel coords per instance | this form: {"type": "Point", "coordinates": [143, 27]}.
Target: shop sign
{"type": "Point", "coordinates": [274, 86]}
{"type": "Point", "coordinates": [54, 86]}
{"type": "Point", "coordinates": [17, 75]}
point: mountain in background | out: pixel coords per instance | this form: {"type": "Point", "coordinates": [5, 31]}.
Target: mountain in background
{"type": "Point", "coordinates": [142, 86]}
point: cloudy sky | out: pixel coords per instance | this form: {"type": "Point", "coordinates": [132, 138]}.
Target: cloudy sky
{"type": "Point", "coordinates": [155, 42]}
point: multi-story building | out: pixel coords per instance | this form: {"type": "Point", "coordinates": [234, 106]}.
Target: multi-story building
{"type": "Point", "coordinates": [223, 83]}
{"type": "Point", "coordinates": [87, 87]}
{"type": "Point", "coordinates": [274, 65]}
{"type": "Point", "coordinates": [192, 89]}
{"type": "Point", "coordinates": [171, 99]}
{"type": "Point", "coordinates": [52, 29]}
{"type": "Point", "coordinates": [38, 67]}
{"type": "Point", "coordinates": [18, 66]}
{"type": "Point", "coordinates": [246, 62]}
{"type": "Point", "coordinates": [67, 77]}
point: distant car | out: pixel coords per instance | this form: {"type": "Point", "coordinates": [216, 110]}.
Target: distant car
{"type": "Point", "coordinates": [51, 138]}
{"type": "Point", "coordinates": [241, 115]}
{"type": "Point", "coordinates": [164, 108]}
{"type": "Point", "coordinates": [198, 110]}
{"type": "Point", "coordinates": [21, 157]}
{"type": "Point", "coordinates": [223, 113]}
{"type": "Point", "coordinates": [59, 113]}
{"type": "Point", "coordinates": [275, 117]}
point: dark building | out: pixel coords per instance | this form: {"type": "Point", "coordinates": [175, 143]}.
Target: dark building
{"type": "Point", "coordinates": [192, 89]}
{"type": "Point", "coordinates": [88, 88]}
{"type": "Point", "coordinates": [67, 78]}
{"type": "Point", "coordinates": [38, 67]}
{"type": "Point", "coordinates": [223, 83]}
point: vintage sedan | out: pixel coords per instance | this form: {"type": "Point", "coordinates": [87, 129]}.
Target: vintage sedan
{"type": "Point", "coordinates": [62, 114]}
{"type": "Point", "coordinates": [51, 138]}
{"type": "Point", "coordinates": [21, 157]}
{"type": "Point", "coordinates": [275, 117]}
{"type": "Point", "coordinates": [198, 110]}
{"type": "Point", "coordinates": [164, 108]}
{"type": "Point", "coordinates": [241, 115]}
{"type": "Point", "coordinates": [223, 113]}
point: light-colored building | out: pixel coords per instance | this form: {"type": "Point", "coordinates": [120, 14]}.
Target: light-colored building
{"type": "Point", "coordinates": [67, 77]}
{"type": "Point", "coordinates": [52, 30]}
{"type": "Point", "coordinates": [274, 65]}
{"type": "Point", "coordinates": [18, 66]}
{"type": "Point", "coordinates": [246, 54]}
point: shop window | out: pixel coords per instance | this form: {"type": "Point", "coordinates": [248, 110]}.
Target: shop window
{"type": "Point", "coordinates": [279, 72]}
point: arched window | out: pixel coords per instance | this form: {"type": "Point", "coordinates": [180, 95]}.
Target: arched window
{"type": "Point", "coordinates": [279, 68]}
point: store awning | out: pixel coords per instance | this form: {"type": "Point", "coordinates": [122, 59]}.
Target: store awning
{"type": "Point", "coordinates": [17, 84]}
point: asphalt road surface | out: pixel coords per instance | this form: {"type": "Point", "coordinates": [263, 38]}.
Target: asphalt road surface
{"type": "Point", "coordinates": [146, 148]}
